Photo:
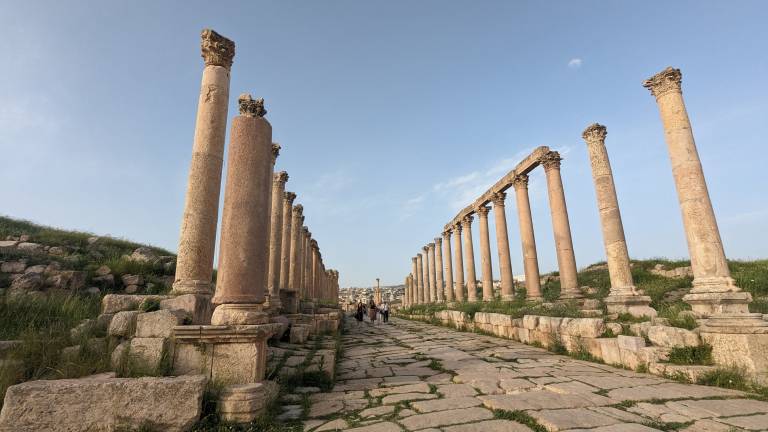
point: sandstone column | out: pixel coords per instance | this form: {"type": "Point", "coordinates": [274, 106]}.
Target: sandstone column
{"type": "Point", "coordinates": [469, 258]}
{"type": "Point", "coordinates": [566, 261]}
{"type": "Point", "coordinates": [420, 278]}
{"type": "Point", "coordinates": [528, 240]}
{"type": "Point", "coordinates": [194, 265]}
{"type": "Point", "coordinates": [502, 244]}
{"type": "Point", "coordinates": [243, 261]}
{"type": "Point", "coordinates": [315, 271]}
{"type": "Point", "coordinates": [297, 219]}
{"type": "Point", "coordinates": [414, 287]}
{"type": "Point", "coordinates": [285, 247]}
{"type": "Point", "coordinates": [306, 262]}
{"type": "Point", "coordinates": [448, 267]}
{"type": "Point", "coordinates": [432, 272]}
{"type": "Point", "coordinates": [428, 292]}
{"type": "Point", "coordinates": [458, 264]}
{"type": "Point", "coordinates": [714, 291]}
{"type": "Point", "coordinates": [276, 228]}
{"type": "Point", "coordinates": [439, 269]}
{"type": "Point", "coordinates": [623, 297]}
{"type": "Point", "coordinates": [485, 253]}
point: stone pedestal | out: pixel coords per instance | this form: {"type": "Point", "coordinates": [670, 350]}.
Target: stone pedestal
{"type": "Point", "coordinates": [225, 354]}
{"type": "Point", "coordinates": [623, 296]}
{"type": "Point", "coordinates": [714, 291]}
{"type": "Point", "coordinates": [739, 340]}
{"type": "Point", "coordinates": [243, 403]}
{"type": "Point", "coordinates": [194, 264]}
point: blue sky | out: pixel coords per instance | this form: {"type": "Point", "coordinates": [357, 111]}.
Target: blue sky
{"type": "Point", "coordinates": [392, 115]}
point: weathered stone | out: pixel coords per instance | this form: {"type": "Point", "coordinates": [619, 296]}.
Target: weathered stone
{"type": "Point", "coordinates": [58, 250]}
{"type": "Point", "coordinates": [395, 398]}
{"type": "Point", "coordinates": [195, 306]}
{"type": "Point", "coordinates": [489, 426]}
{"type": "Point", "coordinates": [437, 419]}
{"type": "Point", "coordinates": [112, 303]}
{"type": "Point", "coordinates": [97, 403]}
{"type": "Point", "coordinates": [243, 403]}
{"type": "Point", "coordinates": [103, 271]}
{"type": "Point", "coordinates": [158, 323]}
{"type": "Point", "coordinates": [40, 269]}
{"type": "Point", "coordinates": [29, 247]}
{"type": "Point", "coordinates": [562, 419]}
{"type": "Point", "coordinates": [119, 355]}
{"type": "Point", "coordinates": [123, 324]}
{"type": "Point", "coordinates": [144, 254]}
{"type": "Point", "coordinates": [13, 267]}
{"type": "Point", "coordinates": [67, 279]}
{"type": "Point", "coordinates": [445, 404]}
{"type": "Point", "coordinates": [8, 244]}
{"type": "Point", "coordinates": [673, 337]}
{"type": "Point", "coordinates": [27, 282]}
{"type": "Point", "coordinates": [148, 354]}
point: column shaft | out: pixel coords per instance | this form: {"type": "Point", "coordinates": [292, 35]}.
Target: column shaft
{"type": "Point", "coordinates": [285, 247]}
{"type": "Point", "coordinates": [276, 237]}
{"type": "Point", "coordinates": [414, 286]}
{"type": "Point", "coordinates": [458, 264]}
{"type": "Point", "coordinates": [469, 259]}
{"type": "Point", "coordinates": [485, 254]}
{"type": "Point", "coordinates": [502, 244]}
{"type": "Point", "coordinates": [528, 240]}
{"type": "Point", "coordinates": [420, 278]}
{"type": "Point", "coordinates": [448, 267]}
{"type": "Point", "coordinates": [438, 251]}
{"type": "Point", "coordinates": [432, 272]}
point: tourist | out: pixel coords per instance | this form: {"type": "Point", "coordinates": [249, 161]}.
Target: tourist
{"type": "Point", "coordinates": [385, 312]}
{"type": "Point", "coordinates": [359, 313]}
{"type": "Point", "coordinates": [372, 311]}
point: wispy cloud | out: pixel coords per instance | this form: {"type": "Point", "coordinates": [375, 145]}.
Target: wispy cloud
{"type": "Point", "coordinates": [411, 206]}
{"type": "Point", "coordinates": [575, 63]}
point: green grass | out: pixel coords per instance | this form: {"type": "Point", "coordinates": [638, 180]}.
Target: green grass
{"type": "Point", "coordinates": [55, 313]}
{"type": "Point", "coordinates": [520, 417]}
{"type": "Point", "coordinates": [698, 355]}
{"type": "Point", "coordinates": [672, 313]}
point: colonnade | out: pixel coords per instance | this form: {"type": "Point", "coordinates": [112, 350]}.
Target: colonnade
{"type": "Point", "coordinates": [268, 260]}
{"type": "Point", "coordinates": [714, 294]}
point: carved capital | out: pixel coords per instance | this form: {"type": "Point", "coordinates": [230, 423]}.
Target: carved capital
{"type": "Point", "coordinates": [305, 231]}
{"type": "Point", "coordinates": [414, 259]}
{"type": "Point", "coordinates": [298, 210]}
{"type": "Point", "coordinates": [457, 228]}
{"type": "Point", "coordinates": [216, 49]}
{"type": "Point", "coordinates": [275, 152]}
{"type": "Point", "coordinates": [520, 181]}
{"type": "Point", "coordinates": [498, 199]}
{"type": "Point", "coordinates": [550, 160]}
{"type": "Point", "coordinates": [668, 80]}
{"type": "Point", "coordinates": [289, 196]}
{"type": "Point", "coordinates": [438, 241]}
{"type": "Point", "coordinates": [425, 249]}
{"type": "Point", "coordinates": [482, 211]}
{"type": "Point", "coordinates": [431, 246]}
{"type": "Point", "coordinates": [446, 234]}
{"type": "Point", "coordinates": [251, 107]}
{"type": "Point", "coordinates": [466, 222]}
{"type": "Point", "coordinates": [279, 178]}
{"type": "Point", "coordinates": [594, 133]}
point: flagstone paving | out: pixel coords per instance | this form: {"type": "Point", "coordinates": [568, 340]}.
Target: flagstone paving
{"type": "Point", "coordinates": [411, 376]}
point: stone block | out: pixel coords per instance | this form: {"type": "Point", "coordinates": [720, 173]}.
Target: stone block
{"type": "Point", "coordinates": [112, 303]}
{"type": "Point", "coordinates": [13, 267]}
{"type": "Point", "coordinates": [609, 350]}
{"type": "Point", "coordinates": [147, 354]}
{"type": "Point", "coordinates": [123, 324]}
{"type": "Point", "coordinates": [120, 355]}
{"type": "Point", "coordinates": [103, 403]}
{"type": "Point", "coordinates": [129, 279]}
{"type": "Point", "coordinates": [197, 307]}
{"type": "Point", "coordinates": [243, 403]}
{"type": "Point", "coordinates": [640, 329]}
{"type": "Point", "coordinates": [158, 324]}
{"type": "Point", "coordinates": [299, 333]}
{"type": "Point", "coordinates": [530, 322]}
{"type": "Point", "coordinates": [29, 247]}
{"type": "Point", "coordinates": [747, 351]}
{"type": "Point", "coordinates": [673, 337]}
{"type": "Point", "coordinates": [523, 335]}
{"type": "Point", "coordinates": [583, 327]}
{"type": "Point", "coordinates": [630, 343]}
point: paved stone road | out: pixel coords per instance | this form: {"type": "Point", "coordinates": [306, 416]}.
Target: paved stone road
{"type": "Point", "coordinates": [414, 376]}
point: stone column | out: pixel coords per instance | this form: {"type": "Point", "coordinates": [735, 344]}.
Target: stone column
{"type": "Point", "coordinates": [448, 267]}
{"type": "Point", "coordinates": [566, 261]}
{"type": "Point", "coordinates": [297, 219]}
{"type": "Point", "coordinates": [414, 287]}
{"type": "Point", "coordinates": [243, 260]}
{"type": "Point", "coordinates": [194, 264]}
{"type": "Point", "coordinates": [469, 259]}
{"type": "Point", "coordinates": [458, 264]}
{"type": "Point", "coordinates": [285, 246]}
{"type": "Point", "coordinates": [314, 293]}
{"type": "Point", "coordinates": [407, 293]}
{"type": "Point", "coordinates": [528, 240]}
{"type": "Point", "coordinates": [623, 297]}
{"type": "Point", "coordinates": [432, 272]}
{"type": "Point", "coordinates": [439, 269]}
{"type": "Point", "coordinates": [276, 228]}
{"type": "Point", "coordinates": [428, 292]}
{"type": "Point", "coordinates": [485, 253]}
{"type": "Point", "coordinates": [306, 262]}
{"type": "Point", "coordinates": [502, 244]}
{"type": "Point", "coordinates": [714, 292]}
{"type": "Point", "coordinates": [420, 278]}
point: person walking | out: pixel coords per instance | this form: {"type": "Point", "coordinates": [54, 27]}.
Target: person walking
{"type": "Point", "coordinates": [372, 311]}
{"type": "Point", "coordinates": [385, 312]}
{"type": "Point", "coordinates": [360, 312]}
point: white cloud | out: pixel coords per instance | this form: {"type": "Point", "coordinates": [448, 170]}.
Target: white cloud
{"type": "Point", "coordinates": [575, 63]}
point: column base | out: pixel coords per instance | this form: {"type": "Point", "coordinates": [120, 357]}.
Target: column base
{"type": "Point", "coordinates": [706, 304]}
{"type": "Point", "coordinates": [243, 403]}
{"type": "Point", "coordinates": [736, 323]}
{"type": "Point", "coordinates": [239, 314]}
{"type": "Point", "coordinates": [635, 305]}
{"type": "Point", "coordinates": [272, 305]}
{"type": "Point", "coordinates": [191, 286]}
{"type": "Point", "coordinates": [570, 294]}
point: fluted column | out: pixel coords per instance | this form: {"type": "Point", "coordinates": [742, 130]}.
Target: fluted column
{"type": "Point", "coordinates": [566, 260]}
{"type": "Point", "coordinates": [469, 259]}
{"type": "Point", "coordinates": [439, 269]}
{"type": "Point", "coordinates": [285, 246]}
{"type": "Point", "coordinates": [528, 240]}
{"type": "Point", "coordinates": [197, 241]}
{"type": "Point", "coordinates": [414, 287]}
{"type": "Point", "coordinates": [485, 253]}
{"type": "Point", "coordinates": [448, 267]}
{"type": "Point", "coordinates": [276, 228]}
{"type": "Point", "coordinates": [432, 272]}
{"type": "Point", "coordinates": [420, 278]}
{"type": "Point", "coordinates": [297, 219]}
{"type": "Point", "coordinates": [243, 259]}
{"type": "Point", "coordinates": [714, 290]}
{"type": "Point", "coordinates": [502, 245]}
{"type": "Point", "coordinates": [458, 264]}
{"type": "Point", "coordinates": [623, 296]}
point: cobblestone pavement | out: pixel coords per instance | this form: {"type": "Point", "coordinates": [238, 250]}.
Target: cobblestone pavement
{"type": "Point", "coordinates": [414, 376]}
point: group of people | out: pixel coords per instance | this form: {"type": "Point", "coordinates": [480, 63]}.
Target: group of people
{"type": "Point", "coordinates": [373, 311]}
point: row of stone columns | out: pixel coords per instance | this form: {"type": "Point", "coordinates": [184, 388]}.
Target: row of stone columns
{"type": "Point", "coordinates": [714, 293]}
{"type": "Point", "coordinates": [266, 253]}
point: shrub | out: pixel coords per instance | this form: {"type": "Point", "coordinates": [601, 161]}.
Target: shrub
{"type": "Point", "coordinates": [698, 355]}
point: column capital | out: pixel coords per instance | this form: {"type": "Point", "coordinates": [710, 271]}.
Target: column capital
{"type": "Point", "coordinates": [431, 245]}
{"type": "Point", "coordinates": [466, 222]}
{"type": "Point", "coordinates": [279, 178]}
{"type": "Point", "coordinates": [668, 80]}
{"type": "Point", "coordinates": [482, 211]}
{"type": "Point", "coordinates": [550, 160]}
{"type": "Point", "coordinates": [216, 49]}
{"type": "Point", "coordinates": [313, 244]}
{"type": "Point", "coordinates": [275, 150]}
{"type": "Point", "coordinates": [414, 259]}
{"type": "Point", "coordinates": [251, 107]}
{"type": "Point", "coordinates": [438, 241]}
{"type": "Point", "coordinates": [520, 181]}
{"type": "Point", "coordinates": [289, 196]}
{"type": "Point", "coordinates": [446, 234]}
{"type": "Point", "coordinates": [594, 133]}
{"type": "Point", "coordinates": [306, 232]}
{"type": "Point", "coordinates": [457, 227]}
{"type": "Point", "coordinates": [498, 199]}
{"type": "Point", "coordinates": [425, 249]}
{"type": "Point", "coordinates": [298, 210]}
